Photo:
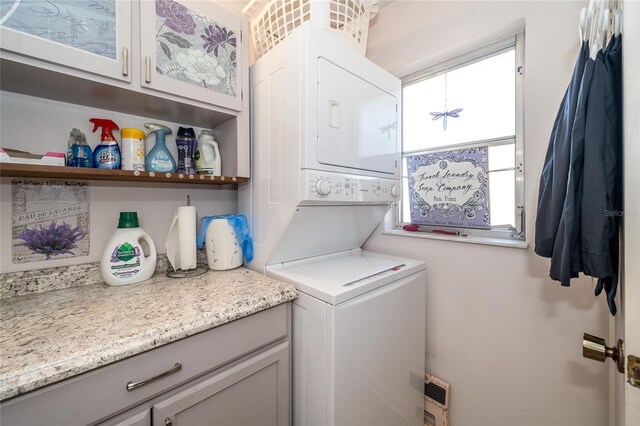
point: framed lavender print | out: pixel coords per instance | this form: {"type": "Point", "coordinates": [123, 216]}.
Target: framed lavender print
{"type": "Point", "coordinates": [50, 220]}
{"type": "Point", "coordinates": [450, 188]}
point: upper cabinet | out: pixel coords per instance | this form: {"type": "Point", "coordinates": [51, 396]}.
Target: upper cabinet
{"type": "Point", "coordinates": [92, 35]}
{"type": "Point", "coordinates": [182, 61]}
{"type": "Point", "coordinates": [192, 49]}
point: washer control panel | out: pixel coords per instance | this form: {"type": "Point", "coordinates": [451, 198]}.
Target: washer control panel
{"type": "Point", "coordinates": [326, 186]}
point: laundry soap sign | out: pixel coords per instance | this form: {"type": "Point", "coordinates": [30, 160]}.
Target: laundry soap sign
{"type": "Point", "coordinates": [50, 220]}
{"type": "Point", "coordinates": [450, 188]}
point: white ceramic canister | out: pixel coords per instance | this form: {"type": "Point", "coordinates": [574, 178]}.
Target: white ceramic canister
{"type": "Point", "coordinates": [221, 245]}
{"type": "Point", "coordinates": [132, 149]}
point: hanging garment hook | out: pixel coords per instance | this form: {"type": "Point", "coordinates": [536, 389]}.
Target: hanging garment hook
{"type": "Point", "coordinates": [595, 30]}
{"type": "Point", "coordinates": [605, 26]}
{"type": "Point", "coordinates": [588, 22]}
{"type": "Point", "coordinates": [617, 21]}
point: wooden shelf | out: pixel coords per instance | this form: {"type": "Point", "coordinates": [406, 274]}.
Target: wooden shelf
{"type": "Point", "coordinates": [58, 172]}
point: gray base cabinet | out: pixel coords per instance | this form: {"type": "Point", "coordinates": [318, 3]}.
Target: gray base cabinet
{"type": "Point", "coordinates": [251, 393]}
{"type": "Point", "coordinates": [234, 374]}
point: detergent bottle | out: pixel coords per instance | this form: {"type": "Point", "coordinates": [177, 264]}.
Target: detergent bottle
{"type": "Point", "coordinates": [186, 144]}
{"type": "Point", "coordinates": [159, 159]}
{"type": "Point", "coordinates": [208, 160]}
{"type": "Point", "coordinates": [124, 260]}
{"type": "Point", "coordinates": [107, 154]}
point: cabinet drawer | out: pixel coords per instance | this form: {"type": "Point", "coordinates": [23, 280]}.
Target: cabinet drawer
{"type": "Point", "coordinates": [102, 393]}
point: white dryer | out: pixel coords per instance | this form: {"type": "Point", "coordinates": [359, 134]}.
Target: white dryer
{"type": "Point", "coordinates": [324, 132]}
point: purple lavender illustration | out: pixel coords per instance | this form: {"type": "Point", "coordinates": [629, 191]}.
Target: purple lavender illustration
{"type": "Point", "coordinates": [51, 240]}
{"type": "Point", "coordinates": [216, 36]}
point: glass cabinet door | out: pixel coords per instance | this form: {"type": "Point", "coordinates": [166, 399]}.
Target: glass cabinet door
{"type": "Point", "coordinates": [89, 35]}
{"type": "Point", "coordinates": [192, 48]}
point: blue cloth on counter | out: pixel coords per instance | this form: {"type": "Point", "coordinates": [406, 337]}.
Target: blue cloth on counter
{"type": "Point", "coordinates": [240, 227]}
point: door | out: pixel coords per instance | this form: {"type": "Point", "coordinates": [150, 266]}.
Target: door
{"type": "Point", "coordinates": [378, 356]}
{"type": "Point", "coordinates": [92, 35]}
{"type": "Point", "coordinates": [625, 388]}
{"type": "Point", "coordinates": [631, 219]}
{"type": "Point", "coordinates": [253, 392]}
{"type": "Point", "coordinates": [191, 48]}
{"type": "Point", "coordinates": [357, 123]}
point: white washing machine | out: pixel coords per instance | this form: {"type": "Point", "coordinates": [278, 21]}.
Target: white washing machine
{"type": "Point", "coordinates": [358, 339]}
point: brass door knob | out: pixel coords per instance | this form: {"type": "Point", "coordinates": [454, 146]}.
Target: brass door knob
{"type": "Point", "coordinates": [596, 348]}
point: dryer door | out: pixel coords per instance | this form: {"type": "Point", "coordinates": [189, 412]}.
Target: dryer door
{"type": "Point", "coordinates": [357, 122]}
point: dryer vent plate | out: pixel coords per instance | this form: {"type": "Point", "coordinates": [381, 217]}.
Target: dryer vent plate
{"type": "Point", "coordinates": [436, 391]}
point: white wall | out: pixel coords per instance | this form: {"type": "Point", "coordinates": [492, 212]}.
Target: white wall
{"type": "Point", "coordinates": [506, 337]}
{"type": "Point", "coordinates": [40, 125]}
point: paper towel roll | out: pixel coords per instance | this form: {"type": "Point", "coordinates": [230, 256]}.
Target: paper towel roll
{"type": "Point", "coordinates": [181, 241]}
{"type": "Point", "coordinates": [187, 237]}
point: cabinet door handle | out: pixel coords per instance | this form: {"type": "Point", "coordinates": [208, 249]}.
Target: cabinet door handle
{"type": "Point", "coordinates": [125, 61]}
{"type": "Point", "coordinates": [147, 73]}
{"type": "Point", "coordinates": [135, 385]}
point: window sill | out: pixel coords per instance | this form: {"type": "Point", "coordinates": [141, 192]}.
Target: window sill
{"type": "Point", "coordinates": [467, 239]}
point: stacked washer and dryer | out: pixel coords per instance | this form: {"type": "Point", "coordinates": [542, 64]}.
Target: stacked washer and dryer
{"type": "Point", "coordinates": [326, 168]}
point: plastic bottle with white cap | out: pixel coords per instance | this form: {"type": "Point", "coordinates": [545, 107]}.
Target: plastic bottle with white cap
{"type": "Point", "coordinates": [208, 161]}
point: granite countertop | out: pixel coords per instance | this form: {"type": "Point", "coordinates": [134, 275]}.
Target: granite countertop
{"type": "Point", "coordinates": [51, 336]}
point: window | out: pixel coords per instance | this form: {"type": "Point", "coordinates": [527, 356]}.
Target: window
{"type": "Point", "coordinates": [462, 145]}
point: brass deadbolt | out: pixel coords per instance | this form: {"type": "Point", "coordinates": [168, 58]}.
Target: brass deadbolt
{"type": "Point", "coordinates": [633, 371]}
{"type": "Point", "coordinates": [596, 348]}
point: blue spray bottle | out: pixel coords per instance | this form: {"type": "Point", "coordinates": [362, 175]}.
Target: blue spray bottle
{"type": "Point", "coordinates": [107, 154]}
{"type": "Point", "coordinates": [159, 159]}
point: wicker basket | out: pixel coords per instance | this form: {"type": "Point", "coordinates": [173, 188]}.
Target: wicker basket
{"type": "Point", "coordinates": [272, 20]}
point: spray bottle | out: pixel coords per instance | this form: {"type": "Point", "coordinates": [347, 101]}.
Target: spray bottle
{"type": "Point", "coordinates": [159, 159]}
{"type": "Point", "coordinates": [107, 154]}
{"type": "Point", "coordinates": [79, 152]}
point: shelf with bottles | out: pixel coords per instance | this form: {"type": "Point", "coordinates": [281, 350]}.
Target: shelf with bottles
{"type": "Point", "coordinates": [61, 172]}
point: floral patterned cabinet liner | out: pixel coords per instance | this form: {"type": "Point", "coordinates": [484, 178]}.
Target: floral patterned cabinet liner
{"type": "Point", "coordinates": [197, 47]}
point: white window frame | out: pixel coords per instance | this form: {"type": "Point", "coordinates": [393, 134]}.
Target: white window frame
{"type": "Point", "coordinates": [501, 236]}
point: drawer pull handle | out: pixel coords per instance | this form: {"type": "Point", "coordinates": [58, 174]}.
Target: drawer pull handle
{"type": "Point", "coordinates": [135, 385]}
{"type": "Point", "coordinates": [147, 72]}
{"type": "Point", "coordinates": [125, 61]}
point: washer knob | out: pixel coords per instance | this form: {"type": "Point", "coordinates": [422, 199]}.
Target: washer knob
{"type": "Point", "coordinates": [323, 187]}
{"type": "Point", "coordinates": [395, 191]}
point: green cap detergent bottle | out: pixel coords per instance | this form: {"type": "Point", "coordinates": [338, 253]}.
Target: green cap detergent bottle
{"type": "Point", "coordinates": [107, 154]}
{"type": "Point", "coordinates": [124, 260]}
